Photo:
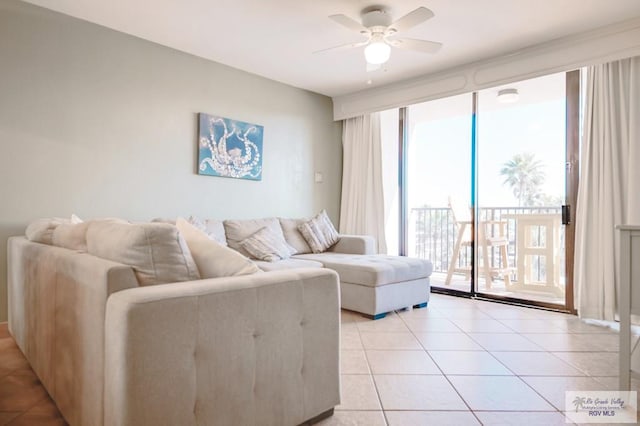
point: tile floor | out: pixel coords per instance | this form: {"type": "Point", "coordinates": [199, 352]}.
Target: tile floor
{"type": "Point", "coordinates": [457, 362]}
{"type": "Point", "coordinates": [469, 362]}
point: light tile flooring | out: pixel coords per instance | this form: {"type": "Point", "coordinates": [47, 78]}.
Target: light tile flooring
{"type": "Point", "coordinates": [457, 362]}
{"type": "Point", "coordinates": [469, 362]}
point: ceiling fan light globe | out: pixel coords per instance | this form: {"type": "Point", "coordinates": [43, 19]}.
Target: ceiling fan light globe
{"type": "Point", "coordinates": [377, 52]}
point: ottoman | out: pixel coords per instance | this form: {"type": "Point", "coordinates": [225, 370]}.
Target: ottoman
{"type": "Point", "coordinates": [377, 284]}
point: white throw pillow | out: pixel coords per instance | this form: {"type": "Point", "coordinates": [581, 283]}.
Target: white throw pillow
{"type": "Point", "coordinates": [213, 259]}
{"type": "Point", "coordinates": [319, 232]}
{"type": "Point", "coordinates": [156, 251]}
{"type": "Point", "coordinates": [267, 245]}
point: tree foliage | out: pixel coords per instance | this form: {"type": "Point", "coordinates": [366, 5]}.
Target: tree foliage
{"type": "Point", "coordinates": [525, 175]}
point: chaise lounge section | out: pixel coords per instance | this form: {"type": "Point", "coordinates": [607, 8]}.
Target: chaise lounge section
{"type": "Point", "coordinates": [375, 285]}
{"type": "Point", "coordinates": [371, 284]}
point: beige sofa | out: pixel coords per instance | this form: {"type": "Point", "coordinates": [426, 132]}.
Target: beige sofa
{"type": "Point", "coordinates": [259, 349]}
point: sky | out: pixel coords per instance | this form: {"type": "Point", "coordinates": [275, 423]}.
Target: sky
{"type": "Point", "coordinates": [440, 148]}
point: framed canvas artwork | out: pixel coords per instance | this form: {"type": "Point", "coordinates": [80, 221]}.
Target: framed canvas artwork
{"type": "Point", "coordinates": [229, 148]}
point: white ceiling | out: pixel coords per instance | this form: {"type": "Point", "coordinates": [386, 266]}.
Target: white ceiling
{"type": "Point", "coordinates": [276, 38]}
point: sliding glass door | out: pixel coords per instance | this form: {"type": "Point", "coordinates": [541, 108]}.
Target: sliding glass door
{"type": "Point", "coordinates": [438, 171]}
{"type": "Point", "coordinates": [521, 141]}
{"type": "Point", "coordinates": [488, 181]}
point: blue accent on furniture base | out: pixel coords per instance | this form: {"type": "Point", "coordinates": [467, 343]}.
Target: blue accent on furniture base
{"type": "Point", "coordinates": [421, 305]}
{"type": "Point", "coordinates": [377, 316]}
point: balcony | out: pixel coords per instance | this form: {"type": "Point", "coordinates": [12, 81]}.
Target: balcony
{"type": "Point", "coordinates": [534, 273]}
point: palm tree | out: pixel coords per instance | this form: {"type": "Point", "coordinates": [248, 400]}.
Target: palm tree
{"type": "Point", "coordinates": [524, 174]}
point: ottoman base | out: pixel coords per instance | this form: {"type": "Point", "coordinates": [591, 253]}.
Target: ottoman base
{"type": "Point", "coordinates": [373, 301]}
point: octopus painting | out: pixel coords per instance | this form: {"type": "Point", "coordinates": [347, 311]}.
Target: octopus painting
{"type": "Point", "coordinates": [229, 148]}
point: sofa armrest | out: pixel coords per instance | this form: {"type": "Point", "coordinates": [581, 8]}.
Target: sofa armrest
{"type": "Point", "coordinates": [355, 244]}
{"type": "Point", "coordinates": [57, 304]}
{"type": "Point", "coordinates": [255, 349]}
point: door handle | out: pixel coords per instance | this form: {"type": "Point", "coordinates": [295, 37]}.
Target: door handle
{"type": "Point", "coordinates": [566, 214]}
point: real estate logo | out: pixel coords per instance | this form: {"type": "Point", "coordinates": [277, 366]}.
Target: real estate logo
{"type": "Point", "coordinates": [601, 406]}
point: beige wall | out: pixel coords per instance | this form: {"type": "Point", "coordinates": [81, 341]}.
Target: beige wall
{"type": "Point", "coordinates": [99, 123]}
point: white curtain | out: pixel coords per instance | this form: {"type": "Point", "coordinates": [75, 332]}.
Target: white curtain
{"type": "Point", "coordinates": [362, 207]}
{"type": "Point", "coordinates": [609, 191]}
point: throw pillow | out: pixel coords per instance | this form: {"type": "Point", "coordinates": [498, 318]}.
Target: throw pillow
{"type": "Point", "coordinates": [237, 231]}
{"type": "Point", "coordinates": [163, 220]}
{"type": "Point", "coordinates": [41, 230]}
{"type": "Point", "coordinates": [72, 236]}
{"type": "Point", "coordinates": [214, 229]}
{"type": "Point", "coordinates": [156, 251]}
{"type": "Point", "coordinates": [319, 232]}
{"type": "Point", "coordinates": [213, 259]}
{"type": "Point", "coordinates": [292, 235]}
{"type": "Point", "coordinates": [267, 245]}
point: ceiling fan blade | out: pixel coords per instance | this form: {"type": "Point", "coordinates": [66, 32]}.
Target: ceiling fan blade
{"type": "Point", "coordinates": [345, 21]}
{"type": "Point", "coordinates": [343, 47]}
{"type": "Point", "coordinates": [424, 46]}
{"type": "Point", "coordinates": [412, 19]}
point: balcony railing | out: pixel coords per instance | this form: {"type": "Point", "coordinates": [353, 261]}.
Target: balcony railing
{"type": "Point", "coordinates": [433, 234]}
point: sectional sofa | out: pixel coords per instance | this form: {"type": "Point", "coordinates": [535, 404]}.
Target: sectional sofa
{"type": "Point", "coordinates": [122, 329]}
{"type": "Point", "coordinates": [370, 283]}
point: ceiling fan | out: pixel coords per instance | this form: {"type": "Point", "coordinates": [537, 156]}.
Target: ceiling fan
{"type": "Point", "coordinates": [378, 27]}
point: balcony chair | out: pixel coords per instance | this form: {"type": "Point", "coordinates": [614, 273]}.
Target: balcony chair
{"type": "Point", "coordinates": [491, 234]}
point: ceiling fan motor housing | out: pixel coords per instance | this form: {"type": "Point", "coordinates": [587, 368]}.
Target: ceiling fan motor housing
{"type": "Point", "coordinates": [376, 20]}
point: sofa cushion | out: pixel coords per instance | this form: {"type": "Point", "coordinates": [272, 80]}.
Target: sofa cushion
{"type": "Point", "coordinates": [167, 220]}
{"type": "Point", "coordinates": [212, 227]}
{"type": "Point", "coordinates": [73, 235]}
{"type": "Point", "coordinates": [156, 251]}
{"type": "Point", "coordinates": [41, 230]}
{"type": "Point", "coordinates": [372, 270]}
{"type": "Point", "coordinates": [287, 264]}
{"type": "Point", "coordinates": [319, 232]}
{"type": "Point", "coordinates": [238, 230]}
{"type": "Point", "coordinates": [293, 236]}
{"type": "Point", "coordinates": [213, 259]}
{"type": "Point", "coordinates": [267, 245]}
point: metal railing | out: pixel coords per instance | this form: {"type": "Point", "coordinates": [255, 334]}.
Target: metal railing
{"type": "Point", "coordinates": [433, 235]}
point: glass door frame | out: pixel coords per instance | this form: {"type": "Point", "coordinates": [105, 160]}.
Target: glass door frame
{"type": "Point", "coordinates": [572, 112]}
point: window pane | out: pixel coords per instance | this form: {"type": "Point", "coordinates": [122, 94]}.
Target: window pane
{"type": "Point", "coordinates": [439, 170]}
{"type": "Point", "coordinates": [521, 187]}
